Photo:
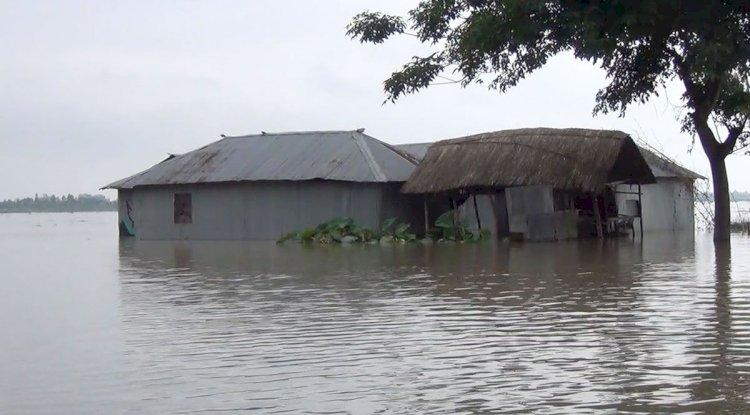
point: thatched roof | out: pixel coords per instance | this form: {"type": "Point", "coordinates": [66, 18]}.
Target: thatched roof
{"type": "Point", "coordinates": [661, 165]}
{"type": "Point", "coordinates": [568, 159]}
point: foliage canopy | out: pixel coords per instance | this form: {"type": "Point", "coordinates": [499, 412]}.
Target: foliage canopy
{"type": "Point", "coordinates": [640, 44]}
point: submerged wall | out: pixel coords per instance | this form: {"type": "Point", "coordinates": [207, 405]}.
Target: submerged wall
{"type": "Point", "coordinates": [528, 212]}
{"type": "Point", "coordinates": [532, 215]}
{"type": "Point", "coordinates": [493, 213]}
{"type": "Point", "coordinates": [523, 212]}
{"type": "Point", "coordinates": [668, 205]}
{"type": "Point", "coordinates": [265, 210]}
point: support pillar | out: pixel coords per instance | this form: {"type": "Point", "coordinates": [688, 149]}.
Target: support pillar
{"type": "Point", "coordinates": [598, 215]}
{"type": "Point", "coordinates": [476, 212]}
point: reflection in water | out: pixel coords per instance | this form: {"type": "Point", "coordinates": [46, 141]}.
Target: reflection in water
{"type": "Point", "coordinates": [724, 349]}
{"type": "Point", "coordinates": [175, 327]}
{"type": "Point", "coordinates": [459, 328]}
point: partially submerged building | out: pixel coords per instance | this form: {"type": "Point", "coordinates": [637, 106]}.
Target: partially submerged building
{"type": "Point", "coordinates": [261, 186]}
{"type": "Point", "coordinates": [536, 184]}
{"type": "Point", "coordinates": [668, 204]}
{"type": "Point", "coordinates": [531, 184]}
{"type": "Point", "coordinates": [665, 205]}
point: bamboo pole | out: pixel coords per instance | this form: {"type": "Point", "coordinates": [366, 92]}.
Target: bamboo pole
{"type": "Point", "coordinates": [598, 215]}
{"type": "Point", "coordinates": [476, 212]}
{"type": "Point", "coordinates": [426, 216]}
{"type": "Point", "coordinates": [455, 211]}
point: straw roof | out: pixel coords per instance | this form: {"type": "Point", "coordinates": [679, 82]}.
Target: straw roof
{"type": "Point", "coordinates": [662, 166]}
{"type": "Point", "coordinates": [568, 159]}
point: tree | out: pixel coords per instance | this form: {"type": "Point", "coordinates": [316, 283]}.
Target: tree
{"type": "Point", "coordinates": [640, 44]}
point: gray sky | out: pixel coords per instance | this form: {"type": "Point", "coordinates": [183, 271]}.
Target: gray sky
{"type": "Point", "coordinates": [95, 91]}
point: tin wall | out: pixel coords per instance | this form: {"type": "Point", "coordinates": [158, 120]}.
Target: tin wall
{"type": "Point", "coordinates": [265, 210]}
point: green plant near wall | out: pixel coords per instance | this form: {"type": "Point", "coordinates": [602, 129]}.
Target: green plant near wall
{"type": "Point", "coordinates": [345, 230]}
{"type": "Point", "coordinates": [450, 228]}
{"type": "Point", "coordinates": [394, 231]}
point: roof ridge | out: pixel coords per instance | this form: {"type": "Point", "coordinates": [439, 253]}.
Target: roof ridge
{"type": "Point", "coordinates": [367, 154]}
{"type": "Point", "coordinates": [541, 131]}
{"type": "Point", "coordinates": [266, 133]}
{"type": "Point", "coordinates": [421, 143]}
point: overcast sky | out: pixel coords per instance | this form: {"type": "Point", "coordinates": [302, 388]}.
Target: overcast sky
{"type": "Point", "coordinates": [95, 91]}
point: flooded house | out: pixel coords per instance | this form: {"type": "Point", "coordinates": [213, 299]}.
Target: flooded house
{"type": "Point", "coordinates": [532, 184]}
{"type": "Point", "coordinates": [668, 204]}
{"type": "Point", "coordinates": [261, 186]}
{"type": "Point", "coordinates": [551, 184]}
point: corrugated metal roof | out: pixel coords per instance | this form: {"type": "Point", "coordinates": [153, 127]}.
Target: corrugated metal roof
{"type": "Point", "coordinates": [660, 165]}
{"type": "Point", "coordinates": [327, 155]}
{"type": "Point", "coordinates": [416, 150]}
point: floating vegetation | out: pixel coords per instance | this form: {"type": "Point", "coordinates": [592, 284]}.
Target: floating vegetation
{"type": "Point", "coordinates": [345, 230]}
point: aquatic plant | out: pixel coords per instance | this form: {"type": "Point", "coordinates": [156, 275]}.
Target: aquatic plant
{"type": "Point", "coordinates": [450, 228]}
{"type": "Point", "coordinates": [394, 231]}
{"type": "Point", "coordinates": [345, 230]}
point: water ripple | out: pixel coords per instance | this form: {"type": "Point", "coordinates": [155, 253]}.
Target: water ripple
{"type": "Point", "coordinates": [462, 329]}
{"type": "Point", "coordinates": [218, 327]}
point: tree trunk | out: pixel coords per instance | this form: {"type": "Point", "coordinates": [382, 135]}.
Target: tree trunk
{"type": "Point", "coordinates": [716, 153]}
{"type": "Point", "coordinates": [722, 213]}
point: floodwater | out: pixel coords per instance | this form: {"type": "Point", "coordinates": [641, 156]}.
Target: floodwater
{"type": "Point", "coordinates": [94, 325]}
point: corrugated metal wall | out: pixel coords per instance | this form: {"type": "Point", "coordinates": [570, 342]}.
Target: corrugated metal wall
{"type": "Point", "coordinates": [266, 210]}
{"type": "Point", "coordinates": [493, 213]}
{"type": "Point", "coordinates": [668, 205]}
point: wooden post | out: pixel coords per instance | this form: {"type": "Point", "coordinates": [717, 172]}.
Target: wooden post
{"type": "Point", "coordinates": [455, 211]}
{"type": "Point", "coordinates": [476, 212]}
{"type": "Point", "coordinates": [598, 215]}
{"type": "Point", "coordinates": [426, 217]}
{"type": "Point", "coordinates": [640, 210]}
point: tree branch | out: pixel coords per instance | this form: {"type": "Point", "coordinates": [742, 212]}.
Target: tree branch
{"type": "Point", "coordinates": [731, 140]}
{"type": "Point", "coordinates": [735, 132]}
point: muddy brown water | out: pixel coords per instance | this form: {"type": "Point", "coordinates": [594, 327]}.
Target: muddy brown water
{"type": "Point", "coordinates": [90, 324]}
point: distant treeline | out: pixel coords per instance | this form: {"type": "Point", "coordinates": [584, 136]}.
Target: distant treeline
{"type": "Point", "coordinates": [52, 203]}
{"type": "Point", "coordinates": [733, 195]}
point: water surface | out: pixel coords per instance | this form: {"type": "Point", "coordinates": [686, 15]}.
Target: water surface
{"type": "Point", "coordinates": [94, 325]}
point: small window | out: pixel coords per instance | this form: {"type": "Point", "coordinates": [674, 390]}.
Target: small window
{"type": "Point", "coordinates": [183, 208]}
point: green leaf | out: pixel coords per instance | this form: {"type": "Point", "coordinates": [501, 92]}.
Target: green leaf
{"type": "Point", "coordinates": [445, 220]}
{"type": "Point", "coordinates": [307, 235]}
{"type": "Point", "coordinates": [387, 224]}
